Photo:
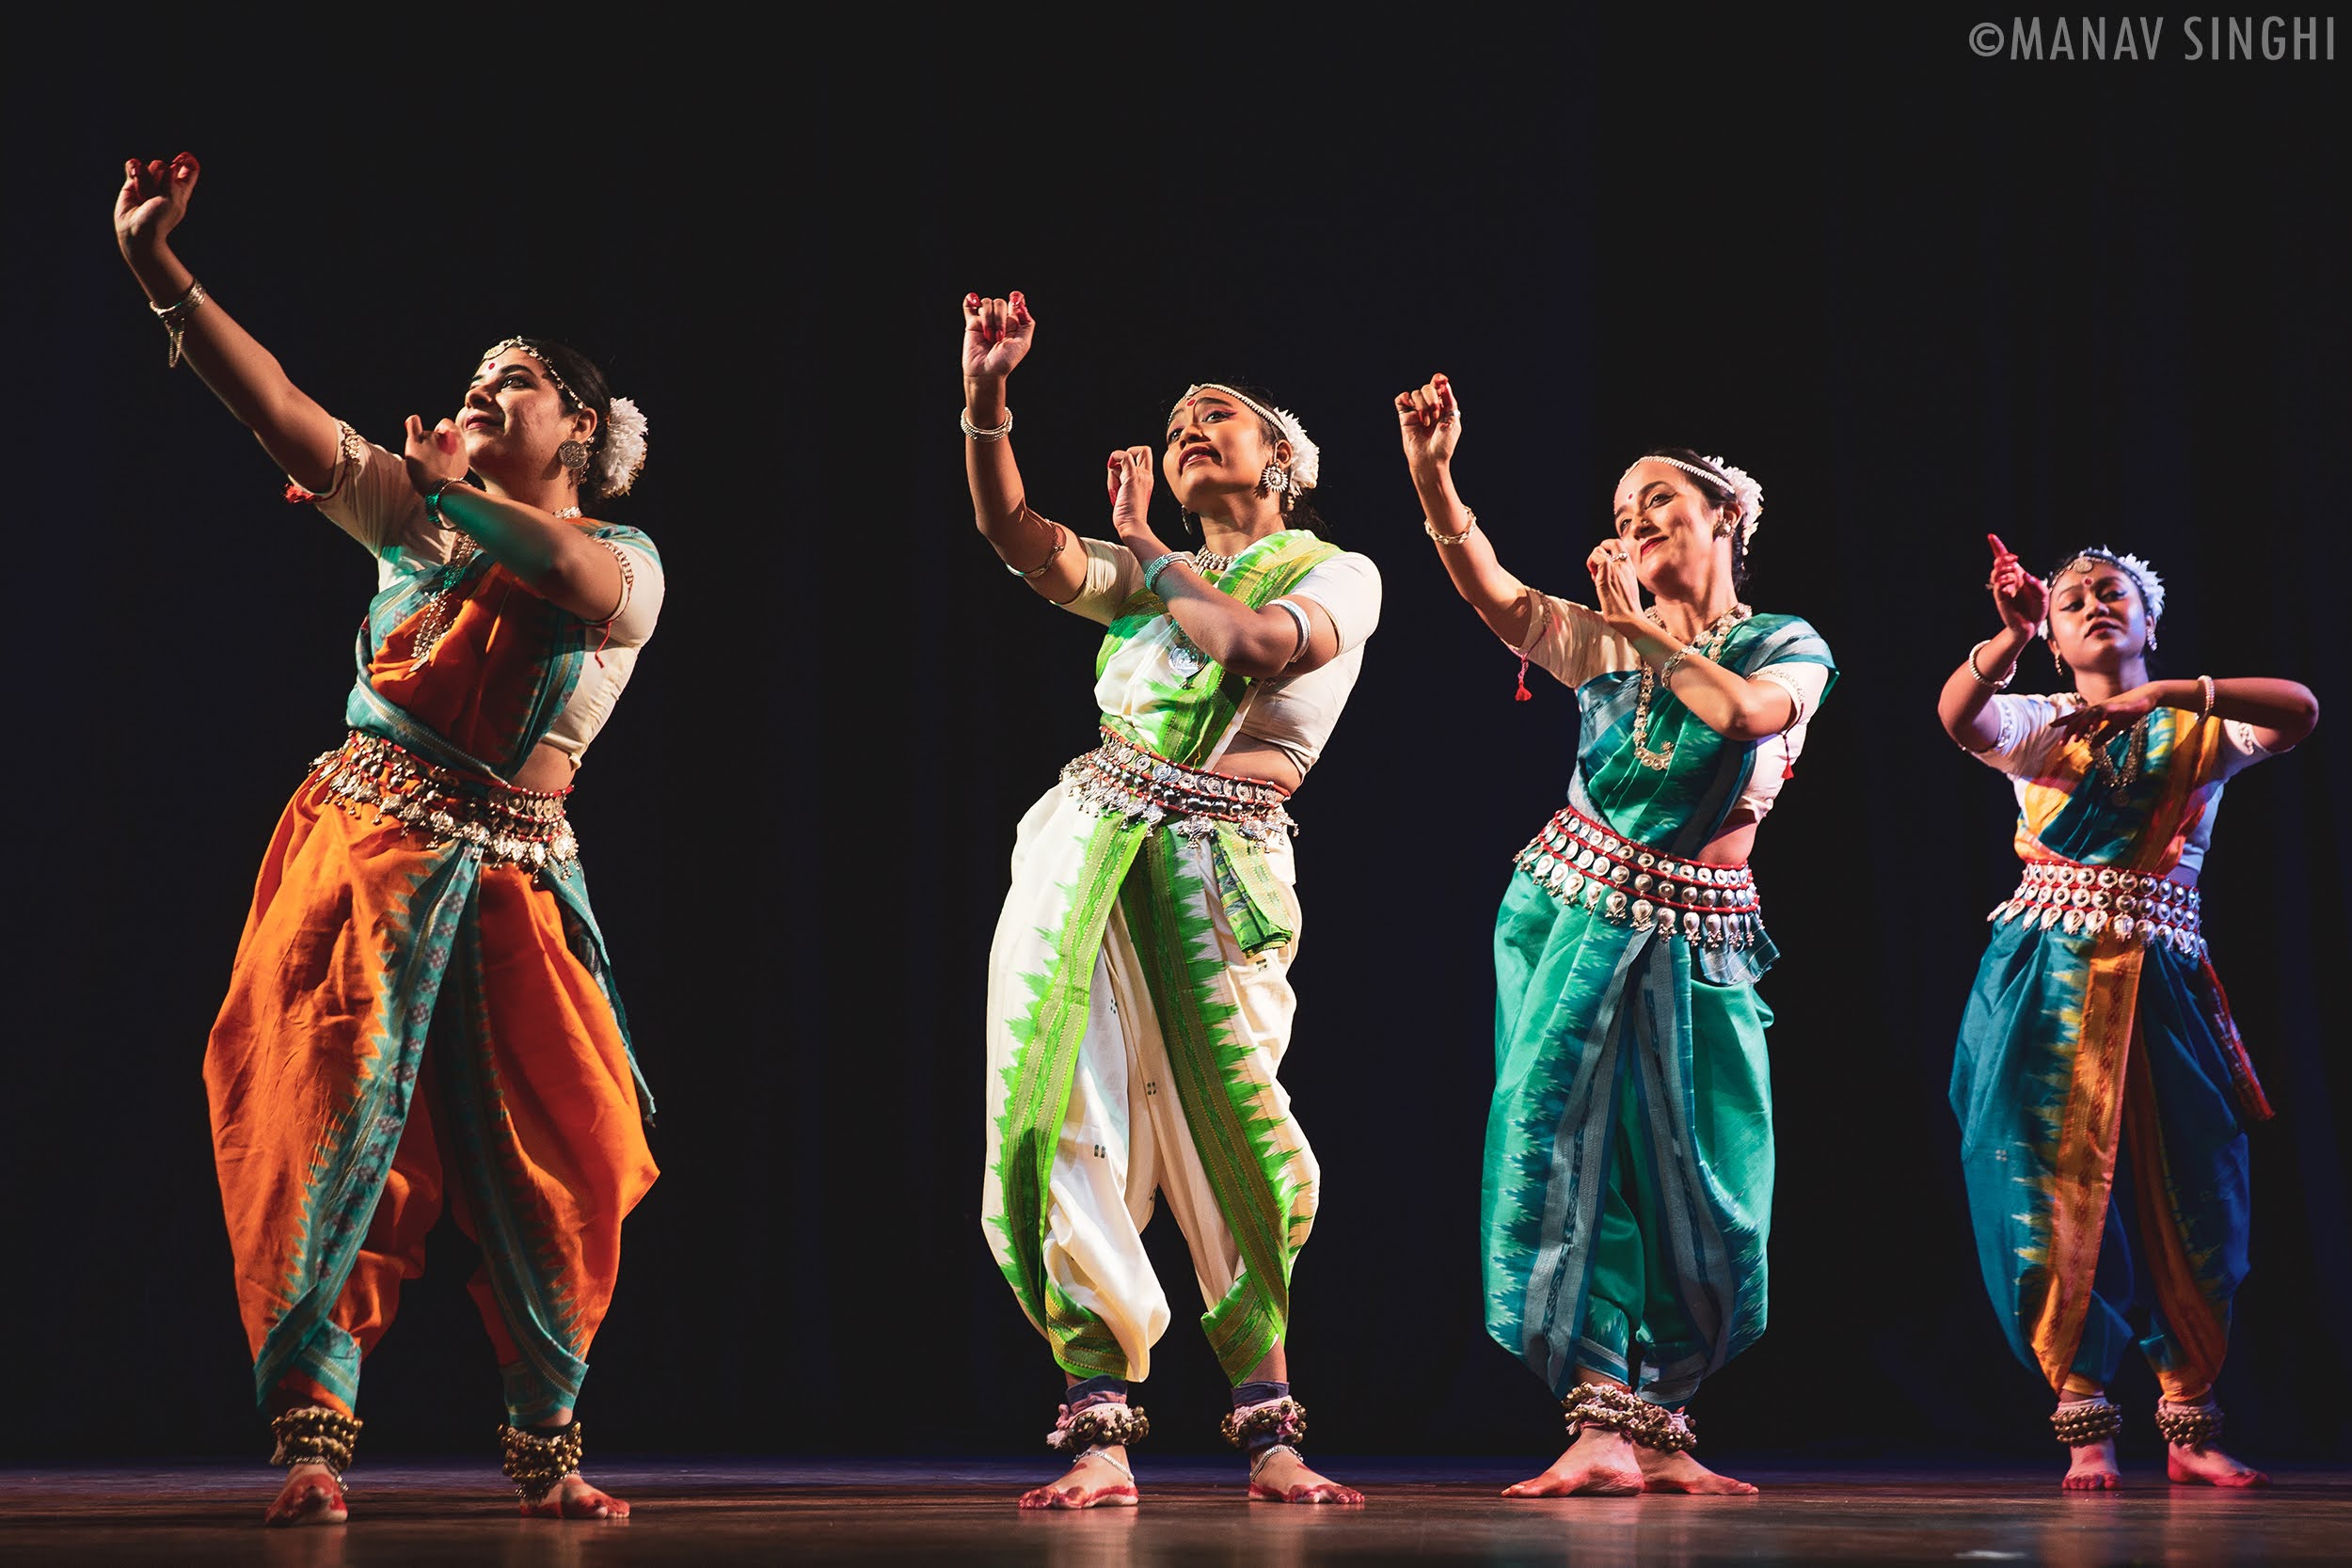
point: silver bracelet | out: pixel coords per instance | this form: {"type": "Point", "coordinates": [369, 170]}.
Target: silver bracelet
{"type": "Point", "coordinates": [2212, 696]}
{"type": "Point", "coordinates": [990, 433]}
{"type": "Point", "coordinates": [1429, 527]}
{"type": "Point", "coordinates": [1666, 671]}
{"type": "Point", "coordinates": [1159, 564]}
{"type": "Point", "coordinates": [2001, 685]}
{"type": "Point", "coordinates": [175, 318]}
{"type": "Point", "coordinates": [1061, 537]}
{"type": "Point", "coordinates": [1306, 630]}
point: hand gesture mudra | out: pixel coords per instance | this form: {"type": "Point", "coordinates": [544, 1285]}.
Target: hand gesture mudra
{"type": "Point", "coordinates": [2102, 722]}
{"type": "Point", "coordinates": [1614, 589]}
{"type": "Point", "coordinates": [1128, 477]}
{"type": "Point", "coordinates": [432, 455]}
{"type": "Point", "coordinates": [1429, 422]}
{"type": "Point", "coordinates": [996, 334]}
{"type": "Point", "coordinates": [2023, 599]}
{"type": "Point", "coordinates": [153, 200]}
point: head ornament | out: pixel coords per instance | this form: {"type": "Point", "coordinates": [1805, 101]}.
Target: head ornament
{"type": "Point", "coordinates": [1747, 495]}
{"type": "Point", "coordinates": [2143, 575]}
{"type": "Point", "coordinates": [1306, 457]}
{"type": "Point", "coordinates": [620, 441]}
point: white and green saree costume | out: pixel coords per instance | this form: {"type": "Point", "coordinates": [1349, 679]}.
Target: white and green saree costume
{"type": "Point", "coordinates": [1139, 1000]}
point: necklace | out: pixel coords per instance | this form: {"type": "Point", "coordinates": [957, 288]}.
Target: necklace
{"type": "Point", "coordinates": [1708, 644]}
{"type": "Point", "coordinates": [440, 613]}
{"type": "Point", "coordinates": [2118, 781]}
{"type": "Point", "coordinates": [1184, 655]}
{"type": "Point", "coordinates": [1202, 561]}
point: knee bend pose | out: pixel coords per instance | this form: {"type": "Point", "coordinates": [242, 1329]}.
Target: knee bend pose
{"type": "Point", "coordinates": [420, 1012]}
{"type": "Point", "coordinates": [1138, 998]}
{"type": "Point", "coordinates": [1629, 1171]}
{"type": "Point", "coordinates": [2102, 1090]}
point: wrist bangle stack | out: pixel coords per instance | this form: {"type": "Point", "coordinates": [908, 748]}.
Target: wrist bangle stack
{"type": "Point", "coordinates": [433, 503]}
{"type": "Point", "coordinates": [1429, 527]}
{"type": "Point", "coordinates": [1159, 564]}
{"type": "Point", "coordinates": [2204, 684]}
{"type": "Point", "coordinates": [984, 433]}
{"type": "Point", "coordinates": [1982, 679]}
{"type": "Point", "coordinates": [175, 318]}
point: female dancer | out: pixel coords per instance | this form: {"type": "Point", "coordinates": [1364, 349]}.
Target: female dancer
{"type": "Point", "coordinates": [421, 1004]}
{"type": "Point", "coordinates": [1138, 993]}
{"type": "Point", "coordinates": [2101, 1087]}
{"type": "Point", "coordinates": [1629, 1147]}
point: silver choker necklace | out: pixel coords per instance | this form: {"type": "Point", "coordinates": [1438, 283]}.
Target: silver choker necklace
{"type": "Point", "coordinates": [1202, 561]}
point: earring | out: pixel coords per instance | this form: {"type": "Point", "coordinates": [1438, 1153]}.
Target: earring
{"type": "Point", "coordinates": [2151, 642]}
{"type": "Point", "coordinates": [1191, 522]}
{"type": "Point", "coordinates": [1274, 479]}
{"type": "Point", "coordinates": [574, 456]}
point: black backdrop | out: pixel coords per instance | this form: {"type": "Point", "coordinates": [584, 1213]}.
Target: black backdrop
{"type": "Point", "coordinates": [1918, 292]}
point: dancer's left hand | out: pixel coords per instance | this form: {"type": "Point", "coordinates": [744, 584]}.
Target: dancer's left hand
{"type": "Point", "coordinates": [1128, 479]}
{"type": "Point", "coordinates": [1616, 592]}
{"type": "Point", "coordinates": [433, 455]}
{"type": "Point", "coordinates": [2103, 720]}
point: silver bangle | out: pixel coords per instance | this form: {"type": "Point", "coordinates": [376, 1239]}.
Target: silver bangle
{"type": "Point", "coordinates": [1982, 679]}
{"type": "Point", "coordinates": [1061, 537]}
{"type": "Point", "coordinates": [1666, 671]}
{"type": "Point", "coordinates": [990, 433]}
{"type": "Point", "coordinates": [175, 318]}
{"type": "Point", "coordinates": [1159, 564]}
{"type": "Point", "coordinates": [2212, 696]}
{"type": "Point", "coordinates": [1306, 629]}
{"type": "Point", "coordinates": [1429, 527]}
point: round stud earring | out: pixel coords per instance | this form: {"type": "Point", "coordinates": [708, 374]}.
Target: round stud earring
{"type": "Point", "coordinates": [574, 456]}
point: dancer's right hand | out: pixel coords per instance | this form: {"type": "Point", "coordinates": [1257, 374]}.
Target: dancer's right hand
{"type": "Point", "coordinates": [2023, 599]}
{"type": "Point", "coordinates": [1429, 422]}
{"type": "Point", "coordinates": [996, 334]}
{"type": "Point", "coordinates": [153, 200]}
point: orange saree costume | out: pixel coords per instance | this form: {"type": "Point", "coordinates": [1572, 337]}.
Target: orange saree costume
{"type": "Point", "coordinates": [421, 1012]}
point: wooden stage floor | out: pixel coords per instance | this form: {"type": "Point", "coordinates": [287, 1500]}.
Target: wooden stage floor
{"type": "Point", "coordinates": [755, 1510]}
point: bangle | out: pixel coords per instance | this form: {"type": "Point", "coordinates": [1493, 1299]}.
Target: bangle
{"type": "Point", "coordinates": [1666, 671]}
{"type": "Point", "coordinates": [1159, 564]}
{"type": "Point", "coordinates": [1982, 679]}
{"type": "Point", "coordinates": [2205, 684]}
{"type": "Point", "coordinates": [1306, 631]}
{"type": "Point", "coordinates": [175, 318]}
{"type": "Point", "coordinates": [1430, 528]}
{"type": "Point", "coordinates": [989, 433]}
{"type": "Point", "coordinates": [1061, 537]}
{"type": "Point", "coordinates": [433, 503]}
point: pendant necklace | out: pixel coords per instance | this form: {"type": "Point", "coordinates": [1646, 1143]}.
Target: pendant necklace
{"type": "Point", "coordinates": [2119, 781]}
{"type": "Point", "coordinates": [1184, 655]}
{"type": "Point", "coordinates": [1706, 645]}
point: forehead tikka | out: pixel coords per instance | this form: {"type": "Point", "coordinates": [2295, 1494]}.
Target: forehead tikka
{"type": "Point", "coordinates": [544, 364]}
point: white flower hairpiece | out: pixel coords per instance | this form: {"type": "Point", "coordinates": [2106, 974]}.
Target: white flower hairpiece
{"type": "Point", "coordinates": [2143, 575]}
{"type": "Point", "coordinates": [624, 452]}
{"type": "Point", "coordinates": [1747, 495]}
{"type": "Point", "coordinates": [1306, 457]}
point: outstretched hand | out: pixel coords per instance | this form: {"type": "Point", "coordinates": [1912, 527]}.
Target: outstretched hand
{"type": "Point", "coordinates": [432, 455]}
{"type": "Point", "coordinates": [2104, 722]}
{"type": "Point", "coordinates": [996, 334]}
{"type": "Point", "coordinates": [1429, 422]}
{"type": "Point", "coordinates": [153, 200]}
{"type": "Point", "coordinates": [2023, 599]}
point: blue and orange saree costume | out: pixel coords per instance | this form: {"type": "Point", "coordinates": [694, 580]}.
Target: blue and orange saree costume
{"type": "Point", "coordinates": [2101, 1087]}
{"type": "Point", "coordinates": [1629, 1169]}
{"type": "Point", "coordinates": [421, 1013]}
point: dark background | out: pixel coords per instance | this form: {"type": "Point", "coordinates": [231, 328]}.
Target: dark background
{"type": "Point", "coordinates": [1918, 293]}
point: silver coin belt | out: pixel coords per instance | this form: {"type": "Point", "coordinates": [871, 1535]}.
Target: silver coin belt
{"type": "Point", "coordinates": [1124, 780]}
{"type": "Point", "coordinates": [1583, 863]}
{"type": "Point", "coordinates": [2096, 898]}
{"type": "Point", "coordinates": [508, 826]}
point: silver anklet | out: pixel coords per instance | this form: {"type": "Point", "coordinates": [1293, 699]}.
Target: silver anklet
{"type": "Point", "coordinates": [1268, 1453]}
{"type": "Point", "coordinates": [1103, 1452]}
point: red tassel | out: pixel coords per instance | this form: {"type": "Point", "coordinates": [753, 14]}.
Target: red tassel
{"type": "Point", "coordinates": [296, 495]}
{"type": "Point", "coordinates": [1522, 694]}
{"type": "Point", "coordinates": [1788, 771]}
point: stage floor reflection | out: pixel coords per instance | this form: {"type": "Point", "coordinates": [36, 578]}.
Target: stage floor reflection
{"type": "Point", "coordinates": [707, 1511]}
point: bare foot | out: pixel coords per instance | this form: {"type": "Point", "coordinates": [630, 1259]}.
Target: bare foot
{"type": "Point", "coordinates": [1099, 1480]}
{"type": "Point", "coordinates": [1283, 1477]}
{"type": "Point", "coordinates": [2209, 1466]}
{"type": "Point", "coordinates": [574, 1498]}
{"type": "Point", "coordinates": [1597, 1464]}
{"type": "Point", "coordinates": [1666, 1471]}
{"type": "Point", "coordinates": [2093, 1468]}
{"type": "Point", "coordinates": [312, 1495]}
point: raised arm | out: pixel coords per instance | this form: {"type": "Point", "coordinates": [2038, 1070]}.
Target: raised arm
{"type": "Point", "coordinates": [996, 337]}
{"type": "Point", "coordinates": [2023, 601]}
{"type": "Point", "coordinates": [1429, 424]}
{"type": "Point", "coordinates": [299, 436]}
